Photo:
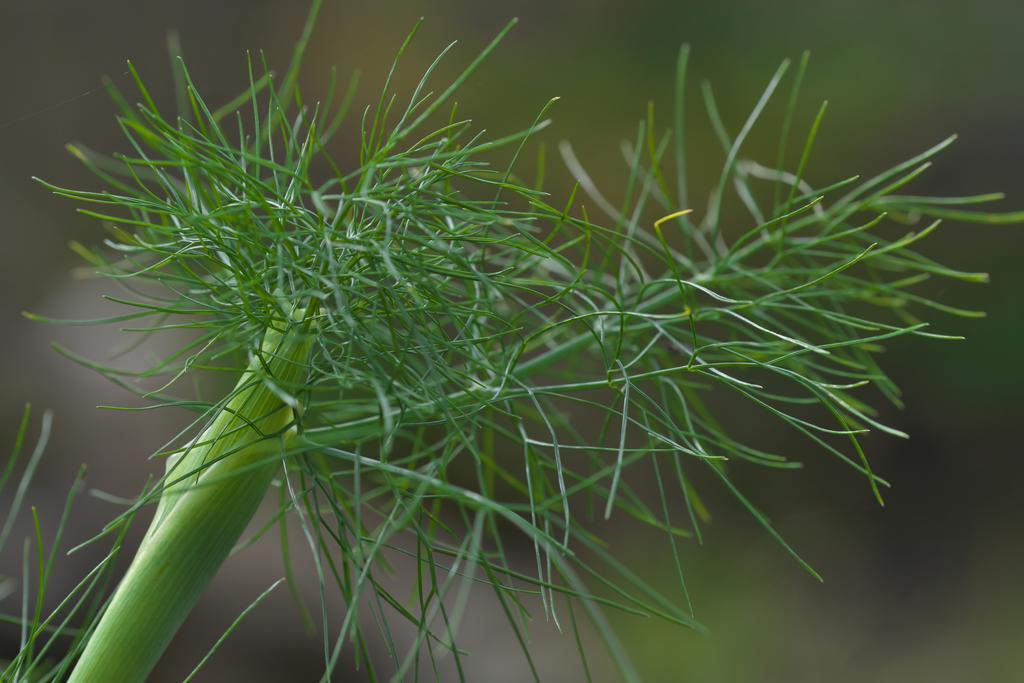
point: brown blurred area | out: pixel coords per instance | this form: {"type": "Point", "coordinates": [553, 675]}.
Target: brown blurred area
{"type": "Point", "coordinates": [926, 589]}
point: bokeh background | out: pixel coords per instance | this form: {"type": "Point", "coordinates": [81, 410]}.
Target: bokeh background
{"type": "Point", "coordinates": [928, 588]}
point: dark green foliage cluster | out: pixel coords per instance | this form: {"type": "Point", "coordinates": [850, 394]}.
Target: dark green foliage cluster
{"type": "Point", "coordinates": [488, 362]}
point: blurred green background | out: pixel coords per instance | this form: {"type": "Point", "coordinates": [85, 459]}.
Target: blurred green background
{"type": "Point", "coordinates": [927, 588]}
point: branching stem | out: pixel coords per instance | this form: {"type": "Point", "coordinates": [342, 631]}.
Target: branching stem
{"type": "Point", "coordinates": [198, 521]}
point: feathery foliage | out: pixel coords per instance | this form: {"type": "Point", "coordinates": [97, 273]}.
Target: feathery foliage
{"type": "Point", "coordinates": [468, 364]}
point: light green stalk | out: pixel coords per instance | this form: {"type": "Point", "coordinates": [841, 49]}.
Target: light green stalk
{"type": "Point", "coordinates": [200, 517]}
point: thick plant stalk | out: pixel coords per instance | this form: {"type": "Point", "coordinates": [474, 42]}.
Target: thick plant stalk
{"type": "Point", "coordinates": [200, 517]}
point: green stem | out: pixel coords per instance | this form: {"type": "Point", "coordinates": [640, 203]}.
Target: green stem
{"type": "Point", "coordinates": [212, 491]}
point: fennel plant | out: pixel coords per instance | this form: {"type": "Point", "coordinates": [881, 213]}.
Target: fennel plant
{"type": "Point", "coordinates": [434, 359]}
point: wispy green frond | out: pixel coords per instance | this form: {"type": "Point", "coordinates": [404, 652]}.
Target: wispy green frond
{"type": "Point", "coordinates": [467, 360]}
